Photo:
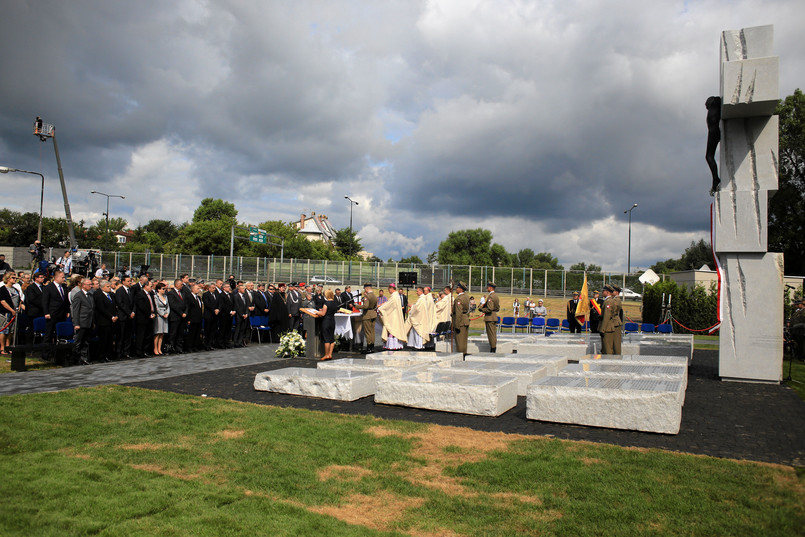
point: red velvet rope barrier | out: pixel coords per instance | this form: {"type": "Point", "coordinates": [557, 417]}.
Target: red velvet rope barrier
{"type": "Point", "coordinates": [9, 323]}
{"type": "Point", "coordinates": [694, 329]}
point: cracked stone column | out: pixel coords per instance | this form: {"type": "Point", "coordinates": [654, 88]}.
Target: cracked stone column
{"type": "Point", "coordinates": [750, 346]}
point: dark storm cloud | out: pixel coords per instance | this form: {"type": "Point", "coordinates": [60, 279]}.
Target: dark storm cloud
{"type": "Point", "coordinates": [550, 117]}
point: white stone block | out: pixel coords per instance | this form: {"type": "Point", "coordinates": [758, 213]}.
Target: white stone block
{"type": "Point", "coordinates": [568, 349]}
{"type": "Point", "coordinates": [641, 405]}
{"type": "Point", "coordinates": [553, 363]}
{"type": "Point", "coordinates": [750, 88]}
{"type": "Point", "coordinates": [629, 370]}
{"type": "Point", "coordinates": [374, 366]}
{"type": "Point", "coordinates": [525, 372]}
{"type": "Point", "coordinates": [641, 358]}
{"type": "Point", "coordinates": [740, 221]}
{"type": "Point", "coordinates": [465, 393]}
{"type": "Point", "coordinates": [750, 342]}
{"type": "Point", "coordinates": [749, 154]}
{"type": "Point", "coordinates": [417, 356]}
{"type": "Point", "coordinates": [324, 383]}
{"type": "Point", "coordinates": [747, 43]}
{"type": "Point", "coordinates": [475, 345]}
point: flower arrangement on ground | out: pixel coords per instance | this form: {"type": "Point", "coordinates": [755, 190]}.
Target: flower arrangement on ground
{"type": "Point", "coordinates": [291, 344]}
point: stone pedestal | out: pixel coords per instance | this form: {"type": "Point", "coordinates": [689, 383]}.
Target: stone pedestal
{"type": "Point", "coordinates": [314, 347]}
{"type": "Point", "coordinates": [524, 372]}
{"type": "Point", "coordinates": [751, 302]}
{"type": "Point", "coordinates": [324, 383]}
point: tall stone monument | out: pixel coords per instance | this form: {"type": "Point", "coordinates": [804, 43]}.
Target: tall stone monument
{"type": "Point", "coordinates": [750, 346]}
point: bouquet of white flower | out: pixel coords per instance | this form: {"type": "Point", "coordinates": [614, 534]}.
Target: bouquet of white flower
{"type": "Point", "coordinates": [291, 344]}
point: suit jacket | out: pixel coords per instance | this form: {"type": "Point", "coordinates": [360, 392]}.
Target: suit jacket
{"type": "Point", "coordinates": [241, 303]}
{"type": "Point", "coordinates": [105, 309]}
{"type": "Point", "coordinates": [491, 307]}
{"type": "Point", "coordinates": [125, 302]}
{"type": "Point", "coordinates": [211, 303]}
{"type": "Point", "coordinates": [194, 309]}
{"type": "Point", "coordinates": [571, 309]}
{"type": "Point", "coordinates": [53, 303]}
{"type": "Point", "coordinates": [260, 303]}
{"type": "Point", "coordinates": [143, 308]}
{"type": "Point", "coordinates": [594, 316]}
{"type": "Point", "coordinates": [177, 304]}
{"type": "Point", "coordinates": [294, 302]}
{"type": "Point", "coordinates": [347, 300]}
{"type": "Point", "coordinates": [82, 310]}
{"type": "Point", "coordinates": [186, 293]}
{"type": "Point", "coordinates": [461, 309]}
{"type": "Point", "coordinates": [403, 303]}
{"type": "Point", "coordinates": [225, 300]}
{"type": "Point", "coordinates": [611, 321]}
{"type": "Point", "coordinates": [369, 306]}
{"type": "Point", "coordinates": [33, 301]}
{"type": "Point", "coordinates": [278, 310]}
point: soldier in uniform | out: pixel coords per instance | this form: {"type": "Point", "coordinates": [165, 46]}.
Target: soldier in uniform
{"type": "Point", "coordinates": [490, 308]}
{"type": "Point", "coordinates": [369, 307]}
{"type": "Point", "coordinates": [595, 317]}
{"type": "Point", "coordinates": [461, 318]}
{"type": "Point", "coordinates": [572, 304]}
{"type": "Point", "coordinates": [611, 323]}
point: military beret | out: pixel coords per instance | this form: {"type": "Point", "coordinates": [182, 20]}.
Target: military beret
{"type": "Point", "coordinates": [608, 288]}
{"type": "Point", "coordinates": [461, 285]}
{"type": "Point", "coordinates": [616, 288]}
{"type": "Point", "coordinates": [492, 285]}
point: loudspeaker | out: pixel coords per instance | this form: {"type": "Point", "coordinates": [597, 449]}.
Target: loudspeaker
{"type": "Point", "coordinates": [408, 278]}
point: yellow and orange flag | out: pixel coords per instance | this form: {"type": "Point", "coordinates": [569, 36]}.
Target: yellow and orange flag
{"type": "Point", "coordinates": [583, 307]}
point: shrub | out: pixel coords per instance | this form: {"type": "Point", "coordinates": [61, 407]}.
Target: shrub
{"type": "Point", "coordinates": [695, 309]}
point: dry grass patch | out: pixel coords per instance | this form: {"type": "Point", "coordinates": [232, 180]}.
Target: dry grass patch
{"type": "Point", "coordinates": [378, 512]}
{"type": "Point", "coordinates": [343, 473]}
{"type": "Point", "coordinates": [147, 446]}
{"type": "Point", "coordinates": [229, 434]}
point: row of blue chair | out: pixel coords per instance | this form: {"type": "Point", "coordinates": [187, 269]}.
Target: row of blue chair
{"type": "Point", "coordinates": [541, 324]}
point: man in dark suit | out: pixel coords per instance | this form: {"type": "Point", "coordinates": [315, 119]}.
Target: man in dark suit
{"type": "Point", "coordinates": [105, 320]}
{"type": "Point", "coordinates": [212, 310]}
{"type": "Point", "coordinates": [33, 303]}
{"type": "Point", "coordinates": [404, 303]}
{"type": "Point", "coordinates": [346, 298]}
{"type": "Point", "coordinates": [125, 308]}
{"type": "Point", "coordinates": [227, 313]}
{"type": "Point", "coordinates": [177, 317]}
{"type": "Point", "coordinates": [56, 308]}
{"type": "Point", "coordinates": [82, 311]}
{"type": "Point", "coordinates": [145, 312]}
{"type": "Point", "coordinates": [575, 327]}
{"type": "Point", "coordinates": [279, 318]}
{"type": "Point", "coordinates": [595, 316]}
{"type": "Point", "coordinates": [194, 316]}
{"type": "Point", "coordinates": [137, 288]}
{"type": "Point", "coordinates": [242, 325]}
{"type": "Point", "coordinates": [260, 301]}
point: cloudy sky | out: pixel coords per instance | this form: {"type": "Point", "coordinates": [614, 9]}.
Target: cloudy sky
{"type": "Point", "coordinates": [539, 120]}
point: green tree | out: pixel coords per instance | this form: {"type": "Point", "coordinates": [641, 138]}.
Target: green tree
{"type": "Point", "coordinates": [694, 256]}
{"type": "Point", "coordinates": [164, 229]}
{"type": "Point", "coordinates": [415, 259]}
{"type": "Point", "coordinates": [466, 247]}
{"type": "Point", "coordinates": [787, 207]}
{"type": "Point", "coordinates": [433, 257]}
{"type": "Point", "coordinates": [347, 242]}
{"type": "Point", "coordinates": [500, 257]}
{"type": "Point", "coordinates": [584, 266]}
{"type": "Point", "coordinates": [215, 210]}
{"type": "Point", "coordinates": [544, 260]}
{"type": "Point", "coordinates": [525, 257]}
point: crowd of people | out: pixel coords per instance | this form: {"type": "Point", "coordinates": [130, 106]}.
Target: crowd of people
{"type": "Point", "coordinates": [120, 317]}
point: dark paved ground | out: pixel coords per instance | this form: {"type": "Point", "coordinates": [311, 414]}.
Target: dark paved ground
{"type": "Point", "coordinates": [758, 422]}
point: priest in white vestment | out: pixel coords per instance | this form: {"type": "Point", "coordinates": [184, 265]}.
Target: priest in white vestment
{"type": "Point", "coordinates": [417, 326]}
{"type": "Point", "coordinates": [392, 317]}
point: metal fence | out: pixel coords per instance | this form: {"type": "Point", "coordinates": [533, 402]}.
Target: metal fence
{"type": "Point", "coordinates": [509, 280]}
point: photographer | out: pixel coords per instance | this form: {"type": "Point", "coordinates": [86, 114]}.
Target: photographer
{"type": "Point", "coordinates": [37, 253]}
{"type": "Point", "coordinates": [65, 263]}
{"type": "Point", "coordinates": [4, 267]}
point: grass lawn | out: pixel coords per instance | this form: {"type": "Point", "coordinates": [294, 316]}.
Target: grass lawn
{"type": "Point", "coordinates": [707, 343]}
{"type": "Point", "coordinates": [115, 461]}
{"type": "Point", "coordinates": [32, 364]}
{"type": "Point", "coordinates": [797, 381]}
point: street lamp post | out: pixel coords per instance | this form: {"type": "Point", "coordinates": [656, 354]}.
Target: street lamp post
{"type": "Point", "coordinates": [351, 203]}
{"type": "Point", "coordinates": [3, 169]}
{"type": "Point", "coordinates": [629, 251]}
{"type": "Point", "coordinates": [107, 207]}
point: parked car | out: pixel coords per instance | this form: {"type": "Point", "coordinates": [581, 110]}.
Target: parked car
{"type": "Point", "coordinates": [324, 280]}
{"type": "Point", "coordinates": [629, 294]}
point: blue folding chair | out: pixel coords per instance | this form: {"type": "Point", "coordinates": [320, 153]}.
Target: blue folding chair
{"type": "Point", "coordinates": [553, 325]}
{"type": "Point", "coordinates": [39, 323]}
{"type": "Point", "coordinates": [631, 328]}
{"type": "Point", "coordinates": [647, 328]}
{"type": "Point", "coordinates": [664, 329]}
{"type": "Point", "coordinates": [524, 323]}
{"type": "Point", "coordinates": [507, 322]}
{"type": "Point", "coordinates": [259, 323]}
{"type": "Point", "coordinates": [538, 324]}
{"type": "Point", "coordinates": [565, 325]}
{"type": "Point", "coordinates": [65, 332]}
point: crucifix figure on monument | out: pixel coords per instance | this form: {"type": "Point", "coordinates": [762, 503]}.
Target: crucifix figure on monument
{"type": "Point", "coordinates": [713, 105]}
